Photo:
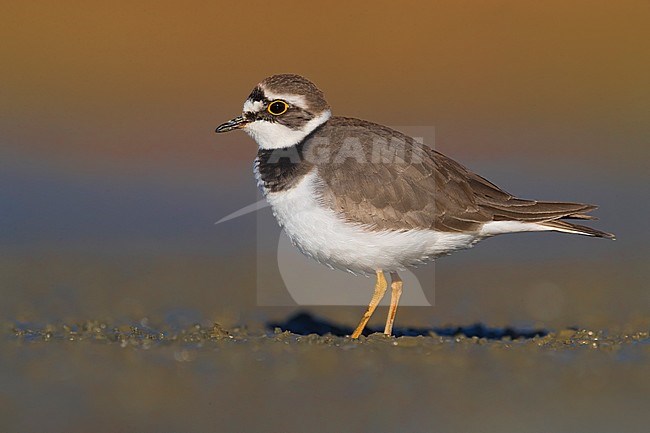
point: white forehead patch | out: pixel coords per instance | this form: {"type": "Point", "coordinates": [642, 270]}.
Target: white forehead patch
{"type": "Point", "coordinates": [253, 106]}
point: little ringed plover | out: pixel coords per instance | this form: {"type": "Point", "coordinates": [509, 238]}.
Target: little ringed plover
{"type": "Point", "coordinates": [364, 198]}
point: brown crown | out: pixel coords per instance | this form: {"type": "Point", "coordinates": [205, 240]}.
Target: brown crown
{"type": "Point", "coordinates": [297, 85]}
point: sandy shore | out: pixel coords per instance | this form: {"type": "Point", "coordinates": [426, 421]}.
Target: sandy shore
{"type": "Point", "coordinates": [149, 345]}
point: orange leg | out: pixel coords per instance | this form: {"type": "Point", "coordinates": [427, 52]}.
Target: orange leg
{"type": "Point", "coordinates": [396, 287]}
{"type": "Point", "coordinates": [380, 290]}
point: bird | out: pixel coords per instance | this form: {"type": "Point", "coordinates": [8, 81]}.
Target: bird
{"type": "Point", "coordinates": [364, 198]}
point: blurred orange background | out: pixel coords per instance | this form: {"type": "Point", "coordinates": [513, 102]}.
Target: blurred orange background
{"type": "Point", "coordinates": [128, 85]}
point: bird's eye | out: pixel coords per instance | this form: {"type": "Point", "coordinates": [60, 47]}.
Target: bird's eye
{"type": "Point", "coordinates": [277, 107]}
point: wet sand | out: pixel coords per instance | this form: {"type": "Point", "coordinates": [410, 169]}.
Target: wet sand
{"type": "Point", "coordinates": [96, 377]}
{"type": "Point", "coordinates": [117, 345]}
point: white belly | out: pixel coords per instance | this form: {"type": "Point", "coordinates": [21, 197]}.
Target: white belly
{"type": "Point", "coordinates": [325, 236]}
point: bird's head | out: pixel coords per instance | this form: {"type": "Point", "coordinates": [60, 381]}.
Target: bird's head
{"type": "Point", "coordinates": [281, 111]}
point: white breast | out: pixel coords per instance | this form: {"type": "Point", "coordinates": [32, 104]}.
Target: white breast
{"type": "Point", "coordinates": [325, 236]}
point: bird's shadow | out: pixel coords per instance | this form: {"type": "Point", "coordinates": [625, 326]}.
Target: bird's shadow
{"type": "Point", "coordinates": [303, 323]}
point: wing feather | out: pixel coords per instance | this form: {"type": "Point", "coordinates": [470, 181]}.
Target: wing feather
{"type": "Point", "coordinates": [434, 192]}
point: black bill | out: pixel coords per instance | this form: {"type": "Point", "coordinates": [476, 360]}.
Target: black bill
{"type": "Point", "coordinates": [236, 123]}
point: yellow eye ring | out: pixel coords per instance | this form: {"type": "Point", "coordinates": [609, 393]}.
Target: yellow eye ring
{"type": "Point", "coordinates": [277, 107]}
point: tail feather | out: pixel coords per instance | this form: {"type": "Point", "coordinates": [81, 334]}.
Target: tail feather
{"type": "Point", "coordinates": [528, 215]}
{"type": "Point", "coordinates": [546, 214]}
{"type": "Point", "coordinates": [568, 227]}
{"type": "Point", "coordinates": [581, 217]}
{"type": "Point", "coordinates": [537, 211]}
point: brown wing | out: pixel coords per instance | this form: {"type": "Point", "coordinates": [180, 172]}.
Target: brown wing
{"type": "Point", "coordinates": [385, 188]}
{"type": "Point", "coordinates": [396, 191]}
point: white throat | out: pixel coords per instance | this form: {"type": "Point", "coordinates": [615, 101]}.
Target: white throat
{"type": "Point", "coordinates": [276, 136]}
